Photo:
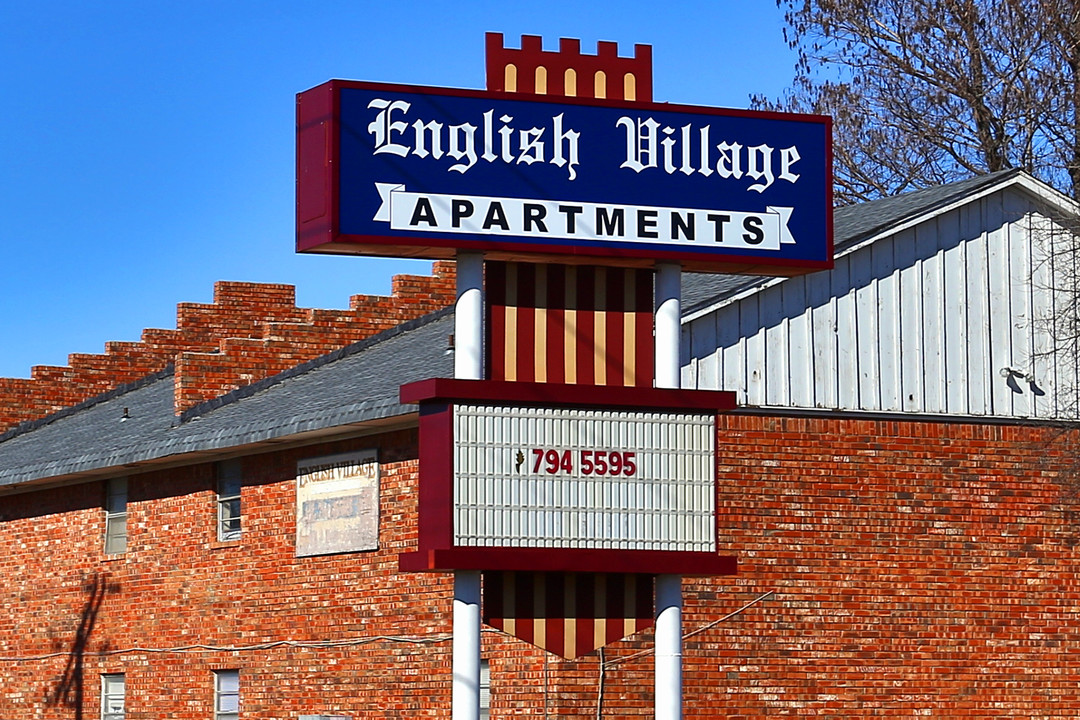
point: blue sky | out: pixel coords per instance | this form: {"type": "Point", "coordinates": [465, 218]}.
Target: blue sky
{"type": "Point", "coordinates": [147, 147]}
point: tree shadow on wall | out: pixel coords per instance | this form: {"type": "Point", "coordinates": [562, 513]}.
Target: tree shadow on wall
{"type": "Point", "coordinates": [70, 687]}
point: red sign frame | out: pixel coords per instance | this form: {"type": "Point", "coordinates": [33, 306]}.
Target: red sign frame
{"type": "Point", "coordinates": [436, 551]}
{"type": "Point", "coordinates": [319, 202]}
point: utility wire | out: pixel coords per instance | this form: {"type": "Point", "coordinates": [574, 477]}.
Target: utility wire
{"type": "Point", "coordinates": [351, 642]}
{"type": "Point", "coordinates": [699, 630]}
{"type": "Point", "coordinates": [199, 648]}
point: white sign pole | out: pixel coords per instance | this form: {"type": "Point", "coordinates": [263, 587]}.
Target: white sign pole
{"type": "Point", "coordinates": [668, 309]}
{"type": "Point", "coordinates": [668, 658]}
{"type": "Point", "coordinates": [469, 317]}
{"type": "Point", "coordinates": [468, 365]}
{"type": "Point", "coordinates": [465, 698]}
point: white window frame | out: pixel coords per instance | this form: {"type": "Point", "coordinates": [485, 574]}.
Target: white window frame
{"type": "Point", "coordinates": [485, 690]}
{"type": "Point", "coordinates": [226, 699]}
{"type": "Point", "coordinates": [116, 501]}
{"type": "Point", "coordinates": [113, 696]}
{"type": "Point", "coordinates": [230, 517]}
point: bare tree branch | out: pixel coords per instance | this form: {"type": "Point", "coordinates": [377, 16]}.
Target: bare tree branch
{"type": "Point", "coordinates": [928, 91]}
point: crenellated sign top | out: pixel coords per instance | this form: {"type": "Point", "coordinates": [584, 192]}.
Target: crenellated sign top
{"type": "Point", "coordinates": [423, 172]}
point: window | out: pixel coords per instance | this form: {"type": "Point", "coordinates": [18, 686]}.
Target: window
{"type": "Point", "coordinates": [485, 690]}
{"type": "Point", "coordinates": [229, 479]}
{"type": "Point", "coordinates": [227, 695]}
{"type": "Point", "coordinates": [112, 697]}
{"type": "Point", "coordinates": [116, 492]}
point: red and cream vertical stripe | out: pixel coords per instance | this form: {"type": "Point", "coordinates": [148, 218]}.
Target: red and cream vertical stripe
{"type": "Point", "coordinates": [578, 325]}
{"type": "Point", "coordinates": [569, 614]}
{"type": "Point", "coordinates": [575, 325]}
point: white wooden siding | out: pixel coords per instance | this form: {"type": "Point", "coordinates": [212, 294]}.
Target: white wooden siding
{"type": "Point", "coordinates": [928, 320]}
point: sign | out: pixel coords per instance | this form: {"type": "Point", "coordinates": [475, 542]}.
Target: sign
{"type": "Point", "coordinates": [584, 478]}
{"type": "Point", "coordinates": [337, 504]}
{"type": "Point", "coordinates": [543, 477]}
{"type": "Point", "coordinates": [422, 172]}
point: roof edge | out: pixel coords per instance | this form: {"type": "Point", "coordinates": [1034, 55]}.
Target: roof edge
{"type": "Point", "coordinates": [31, 425]}
{"type": "Point", "coordinates": [1034, 188]}
{"type": "Point", "coordinates": [1015, 177]}
{"type": "Point", "coordinates": [229, 398]}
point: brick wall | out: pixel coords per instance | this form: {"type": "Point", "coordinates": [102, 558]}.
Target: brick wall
{"type": "Point", "coordinates": [178, 587]}
{"type": "Point", "coordinates": [251, 331]}
{"type": "Point", "coordinates": [917, 570]}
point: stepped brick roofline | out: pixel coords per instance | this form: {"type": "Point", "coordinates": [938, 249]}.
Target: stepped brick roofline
{"type": "Point", "coordinates": [360, 384]}
{"type": "Point", "coordinates": [250, 331]}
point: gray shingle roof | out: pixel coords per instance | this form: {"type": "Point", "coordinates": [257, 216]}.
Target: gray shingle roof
{"type": "Point", "coordinates": [852, 225]}
{"type": "Point", "coordinates": [93, 435]}
{"type": "Point", "coordinates": [354, 385]}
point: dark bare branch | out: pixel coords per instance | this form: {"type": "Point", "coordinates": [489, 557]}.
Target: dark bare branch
{"type": "Point", "coordinates": [927, 91]}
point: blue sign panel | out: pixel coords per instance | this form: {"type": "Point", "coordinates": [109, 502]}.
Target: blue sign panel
{"type": "Point", "coordinates": [423, 171]}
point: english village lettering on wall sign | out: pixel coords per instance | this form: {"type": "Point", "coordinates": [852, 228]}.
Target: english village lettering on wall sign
{"type": "Point", "coordinates": [422, 172]}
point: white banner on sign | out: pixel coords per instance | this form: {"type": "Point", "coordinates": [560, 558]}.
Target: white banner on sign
{"type": "Point", "coordinates": [567, 220]}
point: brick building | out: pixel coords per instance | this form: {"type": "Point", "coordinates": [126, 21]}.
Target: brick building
{"type": "Point", "coordinates": [897, 484]}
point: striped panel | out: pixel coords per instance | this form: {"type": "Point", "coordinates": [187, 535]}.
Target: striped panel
{"type": "Point", "coordinates": [568, 614]}
{"type": "Point", "coordinates": [573, 324]}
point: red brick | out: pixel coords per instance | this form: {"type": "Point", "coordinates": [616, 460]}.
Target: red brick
{"type": "Point", "coordinates": [209, 348]}
{"type": "Point", "coordinates": [918, 569]}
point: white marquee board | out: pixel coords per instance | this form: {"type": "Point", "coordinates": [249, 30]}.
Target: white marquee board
{"type": "Point", "coordinates": [584, 478]}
